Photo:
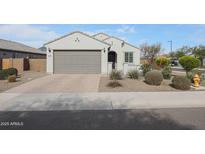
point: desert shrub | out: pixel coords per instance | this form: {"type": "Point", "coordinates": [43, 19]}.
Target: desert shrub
{"type": "Point", "coordinates": [114, 84]}
{"type": "Point", "coordinates": [133, 74]}
{"type": "Point", "coordinates": [181, 82]}
{"type": "Point", "coordinates": [11, 71]}
{"type": "Point", "coordinates": [190, 74]}
{"type": "Point", "coordinates": [162, 61]}
{"type": "Point", "coordinates": [8, 72]}
{"type": "Point", "coordinates": [167, 72]}
{"type": "Point", "coordinates": [145, 68]}
{"type": "Point", "coordinates": [12, 78]}
{"type": "Point", "coordinates": [115, 75]}
{"type": "Point", "coordinates": [189, 62]}
{"type": "Point", "coordinates": [3, 75]}
{"type": "Point", "coordinates": [153, 77]}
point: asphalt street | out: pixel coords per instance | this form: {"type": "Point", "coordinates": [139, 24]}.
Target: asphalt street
{"type": "Point", "coordinates": [134, 119]}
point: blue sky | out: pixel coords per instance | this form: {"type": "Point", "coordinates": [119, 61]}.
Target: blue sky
{"type": "Point", "coordinates": [136, 34]}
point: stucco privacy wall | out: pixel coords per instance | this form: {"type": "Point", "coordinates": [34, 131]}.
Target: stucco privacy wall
{"type": "Point", "coordinates": [22, 64]}
{"type": "Point", "coordinates": [120, 49]}
{"type": "Point", "coordinates": [38, 65]}
{"type": "Point", "coordinates": [77, 41]}
{"type": "Point", "coordinates": [17, 63]}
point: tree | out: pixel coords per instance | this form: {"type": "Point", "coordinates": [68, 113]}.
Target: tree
{"type": "Point", "coordinates": [172, 55]}
{"type": "Point", "coordinates": [162, 61]}
{"type": "Point", "coordinates": [199, 52]}
{"type": "Point", "coordinates": [183, 51]}
{"type": "Point", "coordinates": [150, 51]}
{"type": "Point", "coordinates": [189, 63]}
{"type": "Point", "coordinates": [180, 54]}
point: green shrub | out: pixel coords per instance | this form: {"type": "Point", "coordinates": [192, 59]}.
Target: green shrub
{"type": "Point", "coordinates": [3, 75]}
{"type": "Point", "coordinates": [167, 72]}
{"type": "Point", "coordinates": [8, 72]}
{"type": "Point", "coordinates": [133, 74]}
{"type": "Point", "coordinates": [181, 82]}
{"type": "Point", "coordinates": [115, 75]}
{"type": "Point", "coordinates": [11, 71]}
{"type": "Point", "coordinates": [12, 78]}
{"type": "Point", "coordinates": [190, 74]}
{"type": "Point", "coordinates": [154, 77]}
{"type": "Point", "coordinates": [114, 84]}
{"type": "Point", "coordinates": [162, 61]}
{"type": "Point", "coordinates": [145, 68]}
{"type": "Point", "coordinates": [189, 62]}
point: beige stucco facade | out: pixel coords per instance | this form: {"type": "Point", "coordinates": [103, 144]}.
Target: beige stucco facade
{"type": "Point", "coordinates": [120, 47]}
{"type": "Point", "coordinates": [100, 42]}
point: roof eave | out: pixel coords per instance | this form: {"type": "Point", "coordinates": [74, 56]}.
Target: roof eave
{"type": "Point", "coordinates": [23, 51]}
{"type": "Point", "coordinates": [123, 41]}
{"type": "Point", "coordinates": [73, 33]}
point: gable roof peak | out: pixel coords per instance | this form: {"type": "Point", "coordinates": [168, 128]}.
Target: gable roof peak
{"type": "Point", "coordinates": [101, 33]}
{"type": "Point", "coordinates": [74, 33]}
{"type": "Point", "coordinates": [121, 40]}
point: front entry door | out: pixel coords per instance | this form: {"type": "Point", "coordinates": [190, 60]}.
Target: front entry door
{"type": "Point", "coordinates": [113, 65]}
{"type": "Point", "coordinates": [112, 57]}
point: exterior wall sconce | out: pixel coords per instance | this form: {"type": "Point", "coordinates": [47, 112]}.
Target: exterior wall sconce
{"type": "Point", "coordinates": [123, 43]}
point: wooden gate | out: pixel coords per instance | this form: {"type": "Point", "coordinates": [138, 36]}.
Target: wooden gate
{"type": "Point", "coordinates": [6, 63]}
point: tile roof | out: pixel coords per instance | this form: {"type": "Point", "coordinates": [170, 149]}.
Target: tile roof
{"type": "Point", "coordinates": [19, 47]}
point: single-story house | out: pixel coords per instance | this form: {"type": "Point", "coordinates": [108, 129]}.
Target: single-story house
{"type": "Point", "coordinates": [81, 53]}
{"type": "Point", "coordinates": [11, 49]}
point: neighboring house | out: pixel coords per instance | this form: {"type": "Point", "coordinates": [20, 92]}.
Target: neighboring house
{"type": "Point", "coordinates": [79, 53]}
{"type": "Point", "coordinates": [10, 49]}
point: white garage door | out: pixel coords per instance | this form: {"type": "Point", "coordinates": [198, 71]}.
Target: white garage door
{"type": "Point", "coordinates": [77, 62]}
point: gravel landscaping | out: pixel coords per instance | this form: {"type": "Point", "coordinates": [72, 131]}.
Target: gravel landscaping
{"type": "Point", "coordinates": [130, 85]}
{"type": "Point", "coordinates": [24, 77]}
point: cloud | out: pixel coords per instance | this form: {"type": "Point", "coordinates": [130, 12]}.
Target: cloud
{"type": "Point", "coordinates": [126, 29]}
{"type": "Point", "coordinates": [33, 35]}
{"type": "Point", "coordinates": [199, 34]}
{"type": "Point", "coordinates": [199, 40]}
{"type": "Point", "coordinates": [37, 35]}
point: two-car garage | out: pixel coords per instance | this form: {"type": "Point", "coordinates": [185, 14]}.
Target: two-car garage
{"type": "Point", "coordinates": [77, 53]}
{"type": "Point", "coordinates": [77, 61]}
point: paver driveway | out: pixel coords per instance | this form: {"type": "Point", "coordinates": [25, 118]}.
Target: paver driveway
{"type": "Point", "coordinates": [60, 83]}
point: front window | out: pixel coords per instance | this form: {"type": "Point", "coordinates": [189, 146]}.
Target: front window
{"type": "Point", "coordinates": [129, 57]}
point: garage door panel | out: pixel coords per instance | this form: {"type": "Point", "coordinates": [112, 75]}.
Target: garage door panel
{"type": "Point", "coordinates": [77, 62]}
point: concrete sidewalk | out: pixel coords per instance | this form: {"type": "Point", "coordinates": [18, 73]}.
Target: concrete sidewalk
{"type": "Point", "coordinates": [100, 101]}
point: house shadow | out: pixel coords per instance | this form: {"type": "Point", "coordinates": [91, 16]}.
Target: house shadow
{"type": "Point", "coordinates": [91, 120]}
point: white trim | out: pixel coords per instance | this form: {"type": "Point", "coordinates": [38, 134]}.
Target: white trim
{"type": "Point", "coordinates": [128, 57]}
